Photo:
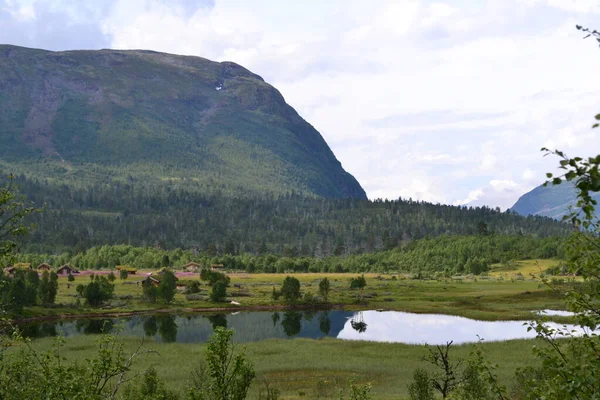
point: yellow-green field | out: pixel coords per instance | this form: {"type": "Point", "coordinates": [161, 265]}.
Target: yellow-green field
{"type": "Point", "coordinates": [486, 297]}
{"type": "Point", "coordinates": [526, 268]}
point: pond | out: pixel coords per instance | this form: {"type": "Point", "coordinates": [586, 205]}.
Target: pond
{"type": "Point", "coordinates": [376, 326]}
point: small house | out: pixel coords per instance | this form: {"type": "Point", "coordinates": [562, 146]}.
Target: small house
{"type": "Point", "coordinates": [217, 267]}
{"type": "Point", "coordinates": [191, 267]}
{"type": "Point", "coordinates": [130, 270]}
{"type": "Point", "coordinates": [66, 270]}
{"type": "Point", "coordinates": [44, 267]}
{"type": "Point", "coordinates": [151, 280]}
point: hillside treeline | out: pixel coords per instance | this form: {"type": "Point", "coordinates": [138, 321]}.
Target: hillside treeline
{"type": "Point", "coordinates": [446, 254]}
{"type": "Point", "coordinates": [78, 217]}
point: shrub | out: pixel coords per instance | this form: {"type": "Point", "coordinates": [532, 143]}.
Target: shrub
{"type": "Point", "coordinates": [219, 292]}
{"type": "Point", "coordinates": [290, 290]}
{"type": "Point", "coordinates": [98, 291]}
{"type": "Point", "coordinates": [420, 388]}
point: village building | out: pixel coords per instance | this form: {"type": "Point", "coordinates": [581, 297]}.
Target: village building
{"type": "Point", "coordinates": [217, 267]}
{"type": "Point", "coordinates": [44, 267]}
{"type": "Point", "coordinates": [66, 270]}
{"type": "Point", "coordinates": [191, 267]}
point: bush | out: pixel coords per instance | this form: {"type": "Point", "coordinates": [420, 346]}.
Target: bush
{"type": "Point", "coordinates": [167, 286]}
{"type": "Point", "coordinates": [99, 290]}
{"type": "Point", "coordinates": [219, 292]}
{"type": "Point", "coordinates": [420, 388]}
{"type": "Point", "coordinates": [70, 277]}
{"type": "Point", "coordinates": [192, 287]}
{"type": "Point", "coordinates": [290, 290]}
{"type": "Point", "coordinates": [150, 292]}
{"type": "Point", "coordinates": [123, 274]}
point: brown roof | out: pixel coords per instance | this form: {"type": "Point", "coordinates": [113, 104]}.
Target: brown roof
{"type": "Point", "coordinates": [44, 266]}
{"type": "Point", "coordinates": [192, 264]}
{"type": "Point", "coordinates": [69, 268]}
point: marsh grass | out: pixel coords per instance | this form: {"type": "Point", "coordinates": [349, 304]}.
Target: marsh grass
{"type": "Point", "coordinates": [302, 368]}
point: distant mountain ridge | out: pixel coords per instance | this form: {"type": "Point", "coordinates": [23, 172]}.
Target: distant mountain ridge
{"type": "Point", "coordinates": [111, 115]}
{"type": "Point", "coordinates": [549, 201]}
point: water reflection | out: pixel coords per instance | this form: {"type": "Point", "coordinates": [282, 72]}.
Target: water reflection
{"type": "Point", "coordinates": [358, 323]}
{"type": "Point", "coordinates": [401, 327]}
{"type": "Point", "coordinates": [167, 328]}
{"type": "Point", "coordinates": [94, 326]}
{"type": "Point", "coordinates": [218, 320]}
{"type": "Point", "coordinates": [292, 323]}
{"type": "Point", "coordinates": [325, 323]}
{"type": "Point", "coordinates": [389, 326]}
{"type": "Point", "coordinates": [150, 326]}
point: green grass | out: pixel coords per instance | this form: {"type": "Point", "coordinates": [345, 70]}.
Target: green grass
{"type": "Point", "coordinates": [297, 366]}
{"type": "Point", "coordinates": [485, 298]}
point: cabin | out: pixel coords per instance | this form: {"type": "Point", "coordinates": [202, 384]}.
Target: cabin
{"type": "Point", "coordinates": [18, 266]}
{"type": "Point", "coordinates": [191, 267]}
{"type": "Point", "coordinates": [152, 280]}
{"type": "Point", "coordinates": [155, 278]}
{"type": "Point", "coordinates": [217, 267]}
{"type": "Point", "coordinates": [130, 270]}
{"type": "Point", "coordinates": [43, 267]}
{"type": "Point", "coordinates": [66, 270]}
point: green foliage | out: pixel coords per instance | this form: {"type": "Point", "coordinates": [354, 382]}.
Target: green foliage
{"type": "Point", "coordinates": [290, 289]}
{"type": "Point", "coordinates": [225, 375]}
{"type": "Point", "coordinates": [356, 392]}
{"type": "Point", "coordinates": [213, 277]}
{"type": "Point", "coordinates": [152, 388]}
{"type": "Point", "coordinates": [149, 292]}
{"type": "Point", "coordinates": [29, 374]}
{"type": "Point", "coordinates": [99, 290]}
{"type": "Point", "coordinates": [123, 274]}
{"type": "Point", "coordinates": [167, 286]}
{"type": "Point", "coordinates": [12, 212]}
{"type": "Point", "coordinates": [358, 283]}
{"type": "Point", "coordinates": [447, 254]}
{"type": "Point", "coordinates": [420, 388]}
{"type": "Point", "coordinates": [70, 277]}
{"type": "Point", "coordinates": [111, 277]}
{"type": "Point", "coordinates": [149, 213]}
{"type": "Point", "coordinates": [324, 287]}
{"type": "Point", "coordinates": [219, 292]}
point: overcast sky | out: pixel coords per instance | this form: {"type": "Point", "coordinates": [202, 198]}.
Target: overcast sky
{"type": "Point", "coordinates": [447, 102]}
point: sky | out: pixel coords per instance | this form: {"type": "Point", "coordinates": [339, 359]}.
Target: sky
{"type": "Point", "coordinates": [442, 101]}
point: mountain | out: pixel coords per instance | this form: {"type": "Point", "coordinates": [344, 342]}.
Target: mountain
{"type": "Point", "coordinates": [110, 116]}
{"type": "Point", "coordinates": [549, 201]}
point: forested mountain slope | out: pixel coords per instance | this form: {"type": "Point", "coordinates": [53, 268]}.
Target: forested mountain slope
{"type": "Point", "coordinates": [550, 201]}
{"type": "Point", "coordinates": [140, 116]}
{"type": "Point", "coordinates": [76, 218]}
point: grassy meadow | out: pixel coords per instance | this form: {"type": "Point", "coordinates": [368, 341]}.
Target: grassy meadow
{"type": "Point", "coordinates": [499, 295]}
{"type": "Point", "coordinates": [308, 369]}
{"type": "Point", "coordinates": [312, 369]}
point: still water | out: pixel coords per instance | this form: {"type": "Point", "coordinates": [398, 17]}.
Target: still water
{"type": "Point", "coordinates": [375, 326]}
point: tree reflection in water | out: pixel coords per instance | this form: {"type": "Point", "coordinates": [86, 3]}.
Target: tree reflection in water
{"type": "Point", "coordinates": [94, 326]}
{"type": "Point", "coordinates": [150, 326]}
{"type": "Point", "coordinates": [275, 318]}
{"type": "Point", "coordinates": [218, 320]}
{"type": "Point", "coordinates": [325, 323]}
{"type": "Point", "coordinates": [167, 327]}
{"type": "Point", "coordinates": [292, 323]}
{"type": "Point", "coordinates": [358, 323]}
